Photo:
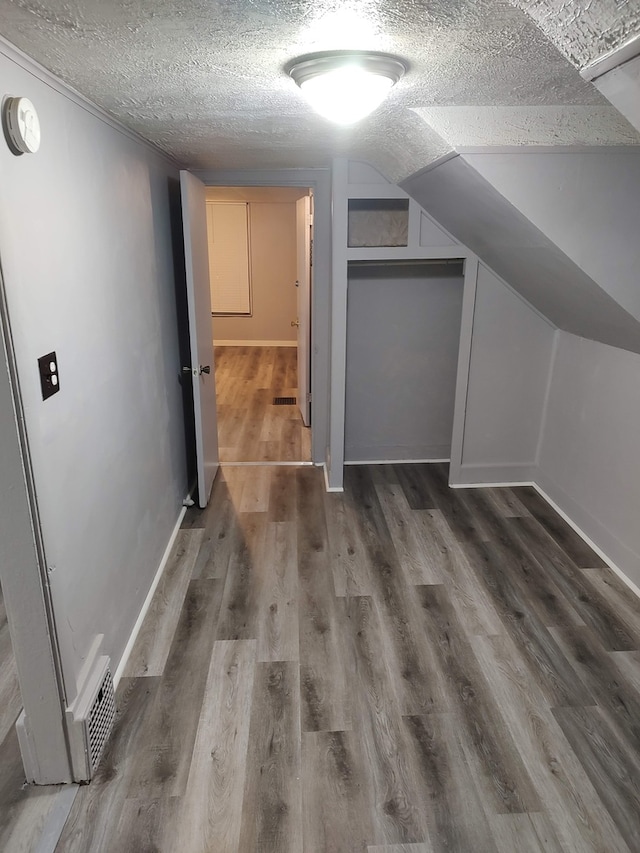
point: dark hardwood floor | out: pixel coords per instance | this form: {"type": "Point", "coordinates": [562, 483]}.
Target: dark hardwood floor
{"type": "Point", "coordinates": [403, 668]}
{"type": "Point", "coordinates": [250, 427]}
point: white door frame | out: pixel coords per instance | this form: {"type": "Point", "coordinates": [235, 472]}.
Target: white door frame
{"type": "Point", "coordinates": [25, 587]}
{"type": "Point", "coordinates": [304, 277]}
{"type": "Point", "coordinates": [319, 181]}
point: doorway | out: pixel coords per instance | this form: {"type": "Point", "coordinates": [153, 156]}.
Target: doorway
{"type": "Point", "coordinates": [260, 256]}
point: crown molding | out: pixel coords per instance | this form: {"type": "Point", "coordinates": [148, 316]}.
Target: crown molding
{"type": "Point", "coordinates": [31, 66]}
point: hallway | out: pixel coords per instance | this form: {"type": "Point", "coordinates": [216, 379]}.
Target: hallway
{"type": "Point", "coordinates": [250, 427]}
{"type": "Point", "coordinates": [401, 664]}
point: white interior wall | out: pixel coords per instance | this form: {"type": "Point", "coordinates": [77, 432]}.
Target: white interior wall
{"type": "Point", "coordinates": [511, 356]}
{"type": "Point", "coordinates": [586, 202]}
{"type": "Point", "coordinates": [589, 463]}
{"type": "Point", "coordinates": [85, 241]}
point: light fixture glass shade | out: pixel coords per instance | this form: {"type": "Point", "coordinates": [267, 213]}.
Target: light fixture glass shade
{"type": "Point", "coordinates": [345, 87]}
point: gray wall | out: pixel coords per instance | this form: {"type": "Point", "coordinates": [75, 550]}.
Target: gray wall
{"type": "Point", "coordinates": [589, 460]}
{"type": "Point", "coordinates": [511, 354]}
{"type": "Point", "coordinates": [403, 332]}
{"type": "Point", "coordinates": [85, 242]}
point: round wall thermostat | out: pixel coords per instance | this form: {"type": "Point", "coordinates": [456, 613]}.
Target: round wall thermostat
{"type": "Point", "coordinates": [21, 125]}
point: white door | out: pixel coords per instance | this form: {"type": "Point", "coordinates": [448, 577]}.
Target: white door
{"type": "Point", "coordinates": [194, 221]}
{"type": "Point", "coordinates": [303, 285]}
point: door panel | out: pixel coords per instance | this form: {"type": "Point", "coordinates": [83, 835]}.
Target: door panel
{"type": "Point", "coordinates": [303, 284]}
{"type": "Point", "coordinates": [201, 337]}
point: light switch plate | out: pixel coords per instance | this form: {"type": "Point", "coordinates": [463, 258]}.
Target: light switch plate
{"type": "Point", "coordinates": [49, 377]}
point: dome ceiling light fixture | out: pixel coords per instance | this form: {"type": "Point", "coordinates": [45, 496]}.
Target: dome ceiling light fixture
{"type": "Point", "coordinates": [344, 86]}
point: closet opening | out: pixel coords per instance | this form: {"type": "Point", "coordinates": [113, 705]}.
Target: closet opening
{"type": "Point", "coordinates": [403, 337]}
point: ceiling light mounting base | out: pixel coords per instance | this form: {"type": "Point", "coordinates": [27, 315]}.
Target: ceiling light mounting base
{"type": "Point", "coordinates": [315, 64]}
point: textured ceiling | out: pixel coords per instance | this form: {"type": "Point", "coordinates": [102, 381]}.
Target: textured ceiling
{"type": "Point", "coordinates": [585, 29]}
{"type": "Point", "coordinates": [204, 80]}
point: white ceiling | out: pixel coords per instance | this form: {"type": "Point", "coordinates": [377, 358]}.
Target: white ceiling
{"type": "Point", "coordinates": [585, 29]}
{"type": "Point", "coordinates": [204, 79]}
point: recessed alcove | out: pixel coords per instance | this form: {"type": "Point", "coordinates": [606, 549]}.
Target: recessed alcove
{"type": "Point", "coordinates": [378, 222]}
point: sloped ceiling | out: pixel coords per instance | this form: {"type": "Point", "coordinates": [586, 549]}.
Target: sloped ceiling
{"type": "Point", "coordinates": [471, 207]}
{"type": "Point", "coordinates": [204, 79]}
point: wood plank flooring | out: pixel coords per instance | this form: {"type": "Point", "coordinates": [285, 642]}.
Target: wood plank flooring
{"type": "Point", "coordinates": [402, 668]}
{"type": "Point", "coordinates": [250, 427]}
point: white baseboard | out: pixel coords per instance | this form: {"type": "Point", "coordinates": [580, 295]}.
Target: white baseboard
{"type": "Point", "coordinates": [615, 555]}
{"type": "Point", "coordinates": [147, 602]}
{"type": "Point", "coordinates": [615, 546]}
{"type": "Point", "coordinates": [255, 343]}
{"type": "Point", "coordinates": [327, 487]}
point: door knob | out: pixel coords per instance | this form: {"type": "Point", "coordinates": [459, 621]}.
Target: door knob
{"type": "Point", "coordinates": [205, 369]}
{"type": "Point", "coordinates": [295, 322]}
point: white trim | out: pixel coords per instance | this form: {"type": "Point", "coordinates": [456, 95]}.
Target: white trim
{"type": "Point", "coordinates": [614, 568]}
{"type": "Point", "coordinates": [262, 177]}
{"type": "Point", "coordinates": [14, 54]}
{"type": "Point", "coordinates": [463, 369]}
{"type": "Point", "coordinates": [254, 343]}
{"type": "Point", "coordinates": [147, 602]}
{"type": "Point", "coordinates": [327, 487]}
{"type": "Point", "coordinates": [547, 394]}
{"type": "Point", "coordinates": [394, 461]}
{"type": "Point", "coordinates": [410, 253]}
{"type": "Point", "coordinates": [440, 161]}
{"type": "Point", "coordinates": [623, 577]}
{"type": "Point", "coordinates": [613, 59]}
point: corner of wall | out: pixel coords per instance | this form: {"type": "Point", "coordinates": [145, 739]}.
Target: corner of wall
{"type": "Point", "coordinates": [545, 405]}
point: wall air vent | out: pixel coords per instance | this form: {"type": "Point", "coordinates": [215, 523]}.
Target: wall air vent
{"type": "Point", "coordinates": [90, 721]}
